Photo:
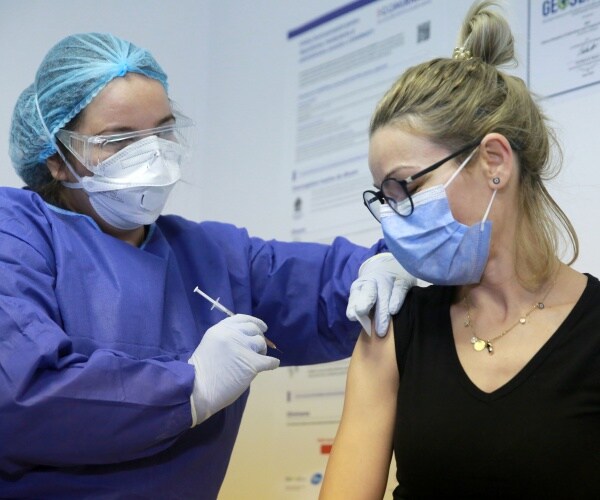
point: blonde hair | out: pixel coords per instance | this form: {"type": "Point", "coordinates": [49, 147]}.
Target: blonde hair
{"type": "Point", "coordinates": [454, 101]}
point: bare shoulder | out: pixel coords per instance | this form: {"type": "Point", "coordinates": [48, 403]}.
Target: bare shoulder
{"type": "Point", "coordinates": [377, 356]}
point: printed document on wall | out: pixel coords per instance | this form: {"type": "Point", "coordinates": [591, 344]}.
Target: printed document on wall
{"type": "Point", "coordinates": [340, 66]}
{"type": "Point", "coordinates": [564, 45]}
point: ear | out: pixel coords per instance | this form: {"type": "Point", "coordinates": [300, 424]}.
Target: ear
{"type": "Point", "coordinates": [57, 168]}
{"type": "Point", "coordinates": [498, 160]}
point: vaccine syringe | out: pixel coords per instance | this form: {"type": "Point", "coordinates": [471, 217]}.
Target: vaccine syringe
{"type": "Point", "coordinates": [223, 309]}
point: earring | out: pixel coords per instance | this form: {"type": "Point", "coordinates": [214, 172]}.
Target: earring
{"type": "Point", "coordinates": [496, 180]}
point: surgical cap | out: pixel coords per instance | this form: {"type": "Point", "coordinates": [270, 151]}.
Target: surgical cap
{"type": "Point", "coordinates": [73, 72]}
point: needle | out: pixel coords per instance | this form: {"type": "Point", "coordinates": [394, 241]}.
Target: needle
{"type": "Point", "coordinates": [214, 302]}
{"type": "Point", "coordinates": [223, 309]}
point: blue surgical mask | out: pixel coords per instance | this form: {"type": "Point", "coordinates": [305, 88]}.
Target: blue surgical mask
{"type": "Point", "coordinates": [432, 245]}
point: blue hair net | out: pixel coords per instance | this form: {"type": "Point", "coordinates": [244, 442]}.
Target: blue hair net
{"type": "Point", "coordinates": [73, 72]}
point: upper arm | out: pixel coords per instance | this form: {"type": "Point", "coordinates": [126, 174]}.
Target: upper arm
{"type": "Point", "coordinates": [358, 466]}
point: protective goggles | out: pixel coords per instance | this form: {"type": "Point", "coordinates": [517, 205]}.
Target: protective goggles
{"type": "Point", "coordinates": [91, 150]}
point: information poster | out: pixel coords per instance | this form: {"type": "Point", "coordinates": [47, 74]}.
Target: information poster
{"type": "Point", "coordinates": [340, 66]}
{"type": "Point", "coordinates": [564, 45]}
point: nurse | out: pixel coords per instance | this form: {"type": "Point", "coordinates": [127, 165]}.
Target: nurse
{"type": "Point", "coordinates": [116, 380]}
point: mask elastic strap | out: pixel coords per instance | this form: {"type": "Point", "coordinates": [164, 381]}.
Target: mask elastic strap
{"type": "Point", "coordinates": [72, 185]}
{"type": "Point", "coordinates": [487, 210]}
{"type": "Point", "coordinates": [462, 165]}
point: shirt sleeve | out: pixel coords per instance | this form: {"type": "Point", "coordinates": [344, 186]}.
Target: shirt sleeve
{"type": "Point", "coordinates": [301, 291]}
{"type": "Point", "coordinates": [60, 408]}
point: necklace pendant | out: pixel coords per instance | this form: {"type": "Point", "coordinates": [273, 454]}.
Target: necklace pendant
{"type": "Point", "coordinates": [479, 344]}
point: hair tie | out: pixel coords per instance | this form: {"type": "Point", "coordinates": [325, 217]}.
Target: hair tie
{"type": "Point", "coordinates": [461, 54]}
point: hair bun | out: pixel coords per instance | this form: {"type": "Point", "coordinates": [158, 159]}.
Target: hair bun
{"type": "Point", "coordinates": [486, 34]}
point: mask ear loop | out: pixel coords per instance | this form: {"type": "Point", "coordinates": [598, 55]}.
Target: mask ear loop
{"type": "Point", "coordinates": [487, 210]}
{"type": "Point", "coordinates": [462, 165]}
{"type": "Point", "coordinates": [452, 177]}
{"type": "Point", "coordinates": [72, 185]}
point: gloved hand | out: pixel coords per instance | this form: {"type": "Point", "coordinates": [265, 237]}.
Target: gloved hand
{"type": "Point", "coordinates": [382, 282]}
{"type": "Point", "coordinates": [227, 359]}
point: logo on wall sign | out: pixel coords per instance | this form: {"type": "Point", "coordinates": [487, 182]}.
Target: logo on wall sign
{"type": "Point", "coordinates": [550, 7]}
{"type": "Point", "coordinates": [392, 7]}
{"type": "Point", "coordinates": [316, 478]}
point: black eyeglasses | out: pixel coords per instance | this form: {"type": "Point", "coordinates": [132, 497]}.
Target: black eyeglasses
{"type": "Point", "coordinates": [395, 192]}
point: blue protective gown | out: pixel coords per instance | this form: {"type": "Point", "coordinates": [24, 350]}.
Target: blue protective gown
{"type": "Point", "coordinates": [95, 335]}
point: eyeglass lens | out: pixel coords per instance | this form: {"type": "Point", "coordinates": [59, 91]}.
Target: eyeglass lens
{"type": "Point", "coordinates": [373, 203]}
{"type": "Point", "coordinates": [397, 197]}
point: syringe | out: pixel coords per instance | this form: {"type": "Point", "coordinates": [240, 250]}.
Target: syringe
{"type": "Point", "coordinates": [223, 309]}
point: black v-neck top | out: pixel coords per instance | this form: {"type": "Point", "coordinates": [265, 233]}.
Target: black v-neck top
{"type": "Point", "coordinates": [537, 436]}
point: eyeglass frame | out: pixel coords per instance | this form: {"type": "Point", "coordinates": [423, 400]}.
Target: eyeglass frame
{"type": "Point", "coordinates": [379, 196]}
{"type": "Point", "coordinates": [66, 136]}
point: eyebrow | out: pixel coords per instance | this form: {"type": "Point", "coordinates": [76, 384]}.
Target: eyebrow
{"type": "Point", "coordinates": [391, 174]}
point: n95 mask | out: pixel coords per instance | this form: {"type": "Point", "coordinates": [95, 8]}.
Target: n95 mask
{"type": "Point", "coordinates": [130, 188]}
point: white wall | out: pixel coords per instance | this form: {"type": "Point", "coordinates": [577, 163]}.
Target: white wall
{"type": "Point", "coordinates": [575, 117]}
{"type": "Point", "coordinates": [225, 60]}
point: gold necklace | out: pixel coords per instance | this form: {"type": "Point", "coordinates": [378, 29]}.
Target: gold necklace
{"type": "Point", "coordinates": [480, 344]}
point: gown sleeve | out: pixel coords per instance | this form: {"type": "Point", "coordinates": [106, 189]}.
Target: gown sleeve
{"type": "Point", "coordinates": [301, 291]}
{"type": "Point", "coordinates": [60, 408]}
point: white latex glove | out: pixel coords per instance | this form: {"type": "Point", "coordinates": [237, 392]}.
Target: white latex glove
{"type": "Point", "coordinates": [230, 355]}
{"type": "Point", "coordinates": [382, 282]}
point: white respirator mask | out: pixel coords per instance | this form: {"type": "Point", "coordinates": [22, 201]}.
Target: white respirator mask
{"type": "Point", "coordinates": [132, 176]}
